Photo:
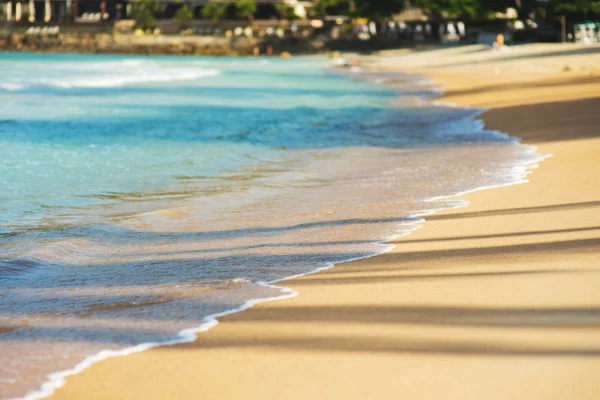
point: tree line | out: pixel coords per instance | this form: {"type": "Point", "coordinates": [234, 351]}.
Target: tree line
{"type": "Point", "coordinates": [383, 9]}
{"type": "Point", "coordinates": [458, 8]}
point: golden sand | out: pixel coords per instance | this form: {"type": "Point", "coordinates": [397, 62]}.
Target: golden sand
{"type": "Point", "coordinates": [499, 300]}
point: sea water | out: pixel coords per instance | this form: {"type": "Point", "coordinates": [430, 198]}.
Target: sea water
{"type": "Point", "coordinates": [143, 195]}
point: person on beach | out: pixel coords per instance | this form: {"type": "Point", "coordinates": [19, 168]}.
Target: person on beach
{"type": "Point", "coordinates": [499, 43]}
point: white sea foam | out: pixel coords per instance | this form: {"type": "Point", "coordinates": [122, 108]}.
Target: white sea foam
{"type": "Point", "coordinates": [156, 76]}
{"type": "Point", "coordinates": [58, 379]}
{"type": "Point", "coordinates": [107, 75]}
{"type": "Point", "coordinates": [12, 86]}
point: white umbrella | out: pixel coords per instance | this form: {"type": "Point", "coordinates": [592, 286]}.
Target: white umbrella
{"type": "Point", "coordinates": [47, 11]}
{"type": "Point", "coordinates": [18, 11]}
{"type": "Point", "coordinates": [31, 11]}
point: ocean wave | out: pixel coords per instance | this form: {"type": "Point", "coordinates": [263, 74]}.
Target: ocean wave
{"type": "Point", "coordinates": [12, 86]}
{"type": "Point", "coordinates": [178, 75]}
{"type": "Point", "coordinates": [137, 74]}
{"type": "Point", "coordinates": [14, 267]}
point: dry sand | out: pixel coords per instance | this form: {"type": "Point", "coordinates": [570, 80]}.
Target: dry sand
{"type": "Point", "coordinates": [499, 300]}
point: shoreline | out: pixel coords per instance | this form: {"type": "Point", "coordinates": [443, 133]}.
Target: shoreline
{"type": "Point", "coordinates": [56, 379]}
{"type": "Point", "coordinates": [274, 310]}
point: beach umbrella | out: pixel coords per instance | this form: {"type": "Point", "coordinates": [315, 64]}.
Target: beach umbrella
{"type": "Point", "coordinates": [18, 11]}
{"type": "Point", "coordinates": [31, 11]}
{"type": "Point", "coordinates": [47, 11]}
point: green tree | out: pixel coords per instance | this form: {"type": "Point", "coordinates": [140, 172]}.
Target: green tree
{"type": "Point", "coordinates": [525, 7]}
{"type": "Point", "coordinates": [215, 10]}
{"type": "Point", "coordinates": [451, 8]}
{"type": "Point", "coordinates": [246, 9]}
{"type": "Point", "coordinates": [561, 8]}
{"type": "Point", "coordinates": [319, 8]}
{"type": "Point", "coordinates": [143, 14]}
{"type": "Point", "coordinates": [574, 6]}
{"type": "Point", "coordinates": [184, 15]}
{"type": "Point", "coordinates": [377, 9]}
{"type": "Point", "coordinates": [285, 12]}
{"type": "Point", "coordinates": [488, 8]}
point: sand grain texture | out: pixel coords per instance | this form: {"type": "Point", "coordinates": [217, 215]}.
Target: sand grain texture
{"type": "Point", "coordinates": [498, 300]}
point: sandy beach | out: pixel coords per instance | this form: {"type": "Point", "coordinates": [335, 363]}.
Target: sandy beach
{"type": "Point", "coordinates": [498, 300]}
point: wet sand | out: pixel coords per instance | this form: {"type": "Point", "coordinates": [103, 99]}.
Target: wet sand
{"type": "Point", "coordinates": [493, 301]}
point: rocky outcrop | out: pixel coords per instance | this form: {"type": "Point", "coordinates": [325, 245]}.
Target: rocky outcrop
{"type": "Point", "coordinates": [130, 44]}
{"type": "Point", "coordinates": [152, 44]}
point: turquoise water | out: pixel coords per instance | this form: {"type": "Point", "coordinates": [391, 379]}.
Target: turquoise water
{"type": "Point", "coordinates": [81, 130]}
{"type": "Point", "coordinates": [141, 195]}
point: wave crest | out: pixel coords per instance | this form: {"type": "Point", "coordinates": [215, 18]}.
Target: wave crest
{"type": "Point", "coordinates": [130, 72]}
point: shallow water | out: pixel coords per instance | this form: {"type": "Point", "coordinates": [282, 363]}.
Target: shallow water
{"type": "Point", "coordinates": [142, 195]}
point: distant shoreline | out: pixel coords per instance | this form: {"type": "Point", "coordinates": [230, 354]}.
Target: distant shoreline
{"type": "Point", "coordinates": [128, 44]}
{"type": "Point", "coordinates": [195, 45]}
